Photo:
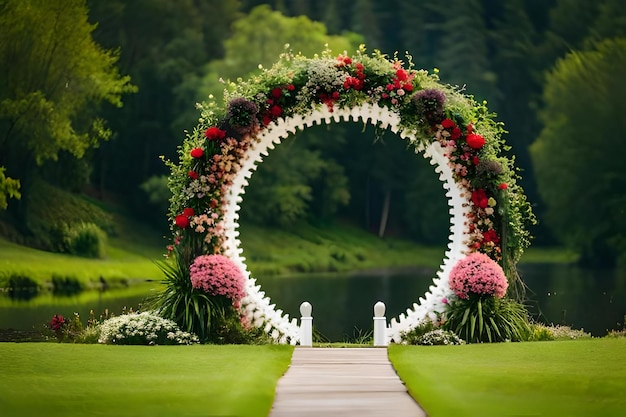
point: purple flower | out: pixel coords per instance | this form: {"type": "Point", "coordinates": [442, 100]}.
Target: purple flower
{"type": "Point", "coordinates": [429, 105]}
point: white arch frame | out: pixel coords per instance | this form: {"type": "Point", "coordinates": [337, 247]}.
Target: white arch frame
{"type": "Point", "coordinates": [258, 307]}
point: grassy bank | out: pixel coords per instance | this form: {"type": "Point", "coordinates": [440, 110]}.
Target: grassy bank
{"type": "Point", "coordinates": [96, 380]}
{"type": "Point", "coordinates": [335, 248]}
{"type": "Point", "coordinates": [565, 378]}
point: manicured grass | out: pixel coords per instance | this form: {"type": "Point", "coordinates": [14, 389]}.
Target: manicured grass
{"type": "Point", "coordinates": [123, 262]}
{"type": "Point", "coordinates": [565, 378]}
{"type": "Point", "coordinates": [332, 248]}
{"type": "Point", "coordinates": [49, 379]}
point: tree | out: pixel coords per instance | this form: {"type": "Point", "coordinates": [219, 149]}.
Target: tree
{"type": "Point", "coordinates": [296, 174]}
{"type": "Point", "coordinates": [463, 54]}
{"type": "Point", "coordinates": [578, 156]}
{"type": "Point", "coordinates": [165, 47]}
{"type": "Point", "coordinates": [365, 21]}
{"type": "Point", "coordinates": [53, 76]}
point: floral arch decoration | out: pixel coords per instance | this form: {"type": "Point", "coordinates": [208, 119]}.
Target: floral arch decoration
{"type": "Point", "coordinates": [488, 210]}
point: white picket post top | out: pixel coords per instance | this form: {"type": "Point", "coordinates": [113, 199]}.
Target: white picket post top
{"type": "Point", "coordinates": [380, 325]}
{"type": "Point", "coordinates": [306, 324]}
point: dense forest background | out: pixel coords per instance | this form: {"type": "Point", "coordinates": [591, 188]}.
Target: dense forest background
{"type": "Point", "coordinates": [93, 94]}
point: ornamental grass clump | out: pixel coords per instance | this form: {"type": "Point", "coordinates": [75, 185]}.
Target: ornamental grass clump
{"type": "Point", "coordinates": [481, 313]}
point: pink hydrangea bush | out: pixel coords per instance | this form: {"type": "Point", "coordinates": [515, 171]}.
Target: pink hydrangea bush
{"type": "Point", "coordinates": [218, 275]}
{"type": "Point", "coordinates": [478, 274]}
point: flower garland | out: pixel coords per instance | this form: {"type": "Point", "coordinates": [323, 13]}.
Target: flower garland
{"type": "Point", "coordinates": [211, 156]}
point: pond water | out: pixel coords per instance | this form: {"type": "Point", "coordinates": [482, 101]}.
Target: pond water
{"type": "Point", "coordinates": [594, 300]}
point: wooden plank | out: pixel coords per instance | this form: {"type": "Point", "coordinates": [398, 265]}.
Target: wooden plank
{"type": "Point", "coordinates": [342, 382]}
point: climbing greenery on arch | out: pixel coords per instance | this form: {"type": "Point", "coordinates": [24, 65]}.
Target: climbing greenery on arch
{"type": "Point", "coordinates": [489, 211]}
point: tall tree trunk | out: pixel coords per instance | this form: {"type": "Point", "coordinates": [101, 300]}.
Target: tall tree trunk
{"type": "Point", "coordinates": [385, 214]}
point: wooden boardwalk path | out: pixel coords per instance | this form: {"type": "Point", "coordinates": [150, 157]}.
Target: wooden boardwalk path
{"type": "Point", "coordinates": [342, 382]}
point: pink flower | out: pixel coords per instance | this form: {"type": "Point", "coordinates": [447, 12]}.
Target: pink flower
{"type": "Point", "coordinates": [218, 275]}
{"type": "Point", "coordinates": [478, 274]}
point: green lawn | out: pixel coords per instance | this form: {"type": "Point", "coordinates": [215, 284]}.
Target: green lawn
{"type": "Point", "coordinates": [562, 379]}
{"type": "Point", "coordinates": [123, 262]}
{"type": "Point", "coordinates": [49, 379]}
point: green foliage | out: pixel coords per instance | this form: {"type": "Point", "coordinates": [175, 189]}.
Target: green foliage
{"type": "Point", "coordinates": [193, 310]}
{"type": "Point", "coordinates": [9, 188]}
{"type": "Point", "coordinates": [53, 78]}
{"type": "Point", "coordinates": [487, 319]}
{"type": "Point", "coordinates": [21, 287]}
{"type": "Point", "coordinates": [584, 93]}
{"type": "Point", "coordinates": [212, 318]}
{"type": "Point", "coordinates": [414, 336]}
{"type": "Point", "coordinates": [86, 239]}
{"type": "Point", "coordinates": [540, 332]}
{"type": "Point", "coordinates": [65, 285]}
{"type": "Point", "coordinates": [51, 213]}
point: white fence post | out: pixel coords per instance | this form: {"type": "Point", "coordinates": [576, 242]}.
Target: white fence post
{"type": "Point", "coordinates": [380, 325]}
{"type": "Point", "coordinates": [306, 324]}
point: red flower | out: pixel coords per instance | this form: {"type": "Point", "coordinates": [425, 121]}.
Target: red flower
{"type": "Point", "coordinates": [266, 119]}
{"type": "Point", "coordinates": [475, 141]}
{"type": "Point", "coordinates": [447, 123]}
{"type": "Point", "coordinates": [197, 152]}
{"type": "Point", "coordinates": [456, 133]}
{"type": "Point", "coordinates": [276, 111]}
{"type": "Point", "coordinates": [491, 236]}
{"type": "Point", "coordinates": [475, 160]}
{"type": "Point", "coordinates": [56, 322]}
{"type": "Point", "coordinates": [182, 221]}
{"type": "Point", "coordinates": [408, 87]}
{"type": "Point", "coordinates": [188, 212]}
{"type": "Point", "coordinates": [193, 175]}
{"type": "Point", "coordinates": [479, 198]}
{"type": "Point", "coordinates": [291, 87]}
{"type": "Point", "coordinates": [214, 133]}
{"type": "Point", "coordinates": [470, 128]}
{"type": "Point", "coordinates": [277, 92]}
{"type": "Point", "coordinates": [402, 75]}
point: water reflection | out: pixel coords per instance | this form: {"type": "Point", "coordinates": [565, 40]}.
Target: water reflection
{"type": "Point", "coordinates": [343, 303]}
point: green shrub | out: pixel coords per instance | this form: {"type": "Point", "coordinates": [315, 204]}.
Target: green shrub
{"type": "Point", "coordinates": [413, 336]}
{"type": "Point", "coordinates": [487, 319]}
{"type": "Point", "coordinates": [65, 285]}
{"type": "Point", "coordinates": [540, 332]}
{"type": "Point", "coordinates": [193, 310]}
{"type": "Point", "coordinates": [87, 240]}
{"type": "Point", "coordinates": [439, 337]}
{"type": "Point", "coordinates": [146, 328]}
{"type": "Point", "coordinates": [21, 287]}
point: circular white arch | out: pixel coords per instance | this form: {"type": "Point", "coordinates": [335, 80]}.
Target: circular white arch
{"type": "Point", "coordinates": [258, 307]}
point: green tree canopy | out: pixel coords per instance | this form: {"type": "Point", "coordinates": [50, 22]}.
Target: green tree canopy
{"type": "Point", "coordinates": [52, 77]}
{"type": "Point", "coordinates": [578, 156]}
